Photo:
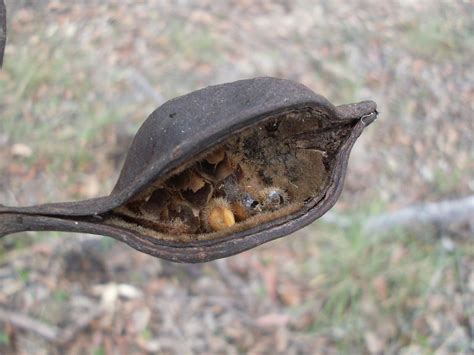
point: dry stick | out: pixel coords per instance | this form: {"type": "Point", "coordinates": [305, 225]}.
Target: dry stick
{"type": "Point", "coordinates": [441, 213]}
{"type": "Point", "coordinates": [26, 323]}
{"type": "Point", "coordinates": [50, 333]}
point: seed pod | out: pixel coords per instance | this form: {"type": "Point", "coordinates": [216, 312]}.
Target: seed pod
{"type": "Point", "coordinates": [276, 135]}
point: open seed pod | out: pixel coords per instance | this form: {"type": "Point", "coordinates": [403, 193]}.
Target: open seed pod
{"type": "Point", "coordinates": [218, 171]}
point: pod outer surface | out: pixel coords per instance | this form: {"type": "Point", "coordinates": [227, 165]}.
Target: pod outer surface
{"type": "Point", "coordinates": [185, 126]}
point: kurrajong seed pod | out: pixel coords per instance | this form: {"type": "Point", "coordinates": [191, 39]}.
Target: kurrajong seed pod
{"type": "Point", "coordinates": [271, 150]}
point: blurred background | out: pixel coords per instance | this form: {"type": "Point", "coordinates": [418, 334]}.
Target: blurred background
{"type": "Point", "coordinates": [80, 77]}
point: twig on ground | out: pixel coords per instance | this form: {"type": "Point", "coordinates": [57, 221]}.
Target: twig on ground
{"type": "Point", "coordinates": [50, 333]}
{"type": "Point", "coordinates": [439, 213]}
{"type": "Point", "coordinates": [32, 325]}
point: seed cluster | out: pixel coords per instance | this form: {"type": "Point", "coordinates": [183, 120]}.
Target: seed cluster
{"type": "Point", "coordinates": [263, 173]}
{"type": "Point", "coordinates": [208, 197]}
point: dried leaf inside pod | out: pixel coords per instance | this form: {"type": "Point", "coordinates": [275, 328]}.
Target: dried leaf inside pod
{"type": "Point", "coordinates": [215, 157]}
{"type": "Point", "coordinates": [218, 171]}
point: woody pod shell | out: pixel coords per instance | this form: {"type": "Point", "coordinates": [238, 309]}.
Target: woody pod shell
{"type": "Point", "coordinates": [175, 133]}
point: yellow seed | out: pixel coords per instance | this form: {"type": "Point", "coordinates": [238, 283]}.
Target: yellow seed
{"type": "Point", "coordinates": [220, 217]}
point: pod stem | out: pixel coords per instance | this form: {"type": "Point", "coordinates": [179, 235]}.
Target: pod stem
{"type": "Point", "coordinates": [17, 222]}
